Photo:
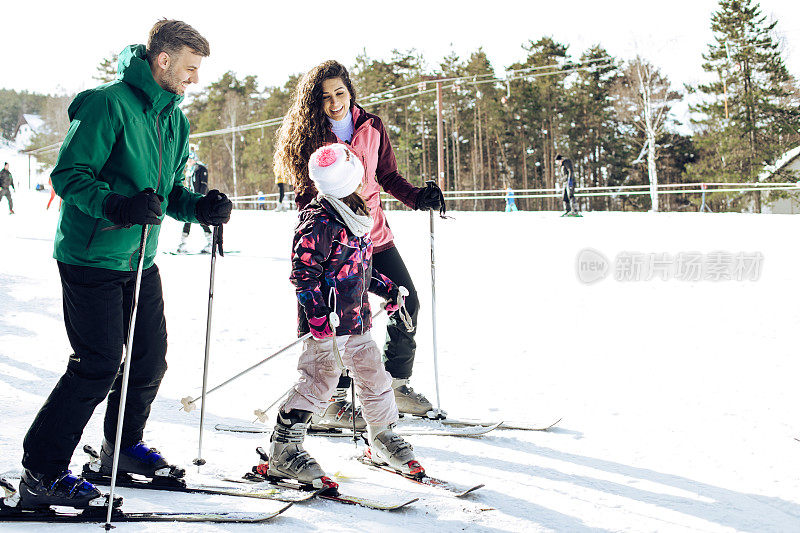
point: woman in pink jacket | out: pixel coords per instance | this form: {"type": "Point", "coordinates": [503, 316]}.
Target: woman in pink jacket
{"type": "Point", "coordinates": [324, 111]}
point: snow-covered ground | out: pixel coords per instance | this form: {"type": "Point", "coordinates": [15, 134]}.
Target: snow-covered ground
{"type": "Point", "coordinates": [679, 398]}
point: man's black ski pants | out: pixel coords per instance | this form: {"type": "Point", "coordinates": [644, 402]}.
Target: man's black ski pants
{"type": "Point", "coordinates": [97, 308]}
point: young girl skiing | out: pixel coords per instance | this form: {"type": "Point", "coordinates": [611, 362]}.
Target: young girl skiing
{"type": "Point", "coordinates": [332, 272]}
{"type": "Point", "coordinates": [323, 111]}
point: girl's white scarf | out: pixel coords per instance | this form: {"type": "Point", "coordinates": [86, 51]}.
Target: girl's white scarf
{"type": "Point", "coordinates": [360, 225]}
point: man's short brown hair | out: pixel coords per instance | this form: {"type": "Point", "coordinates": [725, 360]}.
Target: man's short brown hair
{"type": "Point", "coordinates": [171, 36]}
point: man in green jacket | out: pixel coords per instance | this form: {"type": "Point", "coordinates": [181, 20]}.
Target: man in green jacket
{"type": "Point", "coordinates": [120, 167]}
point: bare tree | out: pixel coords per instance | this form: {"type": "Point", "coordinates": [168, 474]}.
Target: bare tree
{"type": "Point", "coordinates": [644, 98]}
{"type": "Point", "coordinates": [232, 110]}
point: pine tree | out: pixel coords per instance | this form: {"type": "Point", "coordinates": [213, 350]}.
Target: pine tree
{"type": "Point", "coordinates": [485, 108]}
{"type": "Point", "coordinates": [591, 123]}
{"type": "Point", "coordinates": [107, 69]}
{"type": "Point", "coordinates": [747, 115]}
{"type": "Point", "coordinates": [539, 98]}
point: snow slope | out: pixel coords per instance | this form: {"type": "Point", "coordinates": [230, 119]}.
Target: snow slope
{"type": "Point", "coordinates": [679, 398]}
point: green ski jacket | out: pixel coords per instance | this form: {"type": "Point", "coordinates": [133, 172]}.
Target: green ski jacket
{"type": "Point", "coordinates": [124, 136]}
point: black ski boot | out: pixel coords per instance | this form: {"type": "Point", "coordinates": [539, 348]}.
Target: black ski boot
{"type": "Point", "coordinates": [138, 459]}
{"type": "Point", "coordinates": [37, 491]}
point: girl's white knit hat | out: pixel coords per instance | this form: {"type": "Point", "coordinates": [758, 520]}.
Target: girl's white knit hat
{"type": "Point", "coordinates": [335, 170]}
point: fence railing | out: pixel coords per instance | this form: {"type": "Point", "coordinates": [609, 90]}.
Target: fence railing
{"type": "Point", "coordinates": [270, 201]}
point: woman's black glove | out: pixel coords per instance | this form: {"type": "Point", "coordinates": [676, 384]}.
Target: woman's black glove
{"type": "Point", "coordinates": [213, 209]}
{"type": "Point", "coordinates": [142, 208]}
{"type": "Point", "coordinates": [430, 197]}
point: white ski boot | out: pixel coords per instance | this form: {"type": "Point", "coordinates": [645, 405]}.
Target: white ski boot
{"type": "Point", "coordinates": [182, 246]}
{"type": "Point", "coordinates": [210, 242]}
{"type": "Point", "coordinates": [408, 401]}
{"type": "Point", "coordinates": [388, 448]}
{"type": "Point", "coordinates": [338, 414]}
{"type": "Point", "coordinates": [287, 457]}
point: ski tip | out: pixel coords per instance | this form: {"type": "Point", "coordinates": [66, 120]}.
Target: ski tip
{"type": "Point", "coordinates": [469, 490]}
{"type": "Point", "coordinates": [283, 509]}
{"type": "Point", "coordinates": [7, 487]}
{"type": "Point", "coordinates": [409, 502]}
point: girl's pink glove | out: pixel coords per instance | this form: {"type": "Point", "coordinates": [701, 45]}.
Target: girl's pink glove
{"type": "Point", "coordinates": [320, 327]}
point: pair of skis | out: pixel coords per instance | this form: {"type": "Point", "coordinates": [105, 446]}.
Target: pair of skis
{"type": "Point", "coordinates": [454, 428]}
{"type": "Point", "coordinates": [257, 476]}
{"type": "Point", "coordinates": [280, 490]}
{"type": "Point", "coordinates": [11, 512]}
{"type": "Point", "coordinates": [472, 431]}
{"type": "Point", "coordinates": [199, 253]}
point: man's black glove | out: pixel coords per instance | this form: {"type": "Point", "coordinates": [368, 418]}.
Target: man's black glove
{"type": "Point", "coordinates": [142, 208]}
{"type": "Point", "coordinates": [213, 209]}
{"type": "Point", "coordinates": [430, 197]}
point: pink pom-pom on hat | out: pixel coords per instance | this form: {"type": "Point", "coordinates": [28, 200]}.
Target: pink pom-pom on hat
{"type": "Point", "coordinates": [326, 157]}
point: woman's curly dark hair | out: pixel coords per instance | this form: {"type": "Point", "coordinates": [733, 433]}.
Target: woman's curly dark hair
{"type": "Point", "coordinates": [305, 126]}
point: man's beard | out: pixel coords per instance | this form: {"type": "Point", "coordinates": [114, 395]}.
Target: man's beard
{"type": "Point", "coordinates": [172, 82]}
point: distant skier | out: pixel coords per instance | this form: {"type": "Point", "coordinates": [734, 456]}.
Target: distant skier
{"type": "Point", "coordinates": [280, 181]}
{"type": "Point", "coordinates": [332, 271]}
{"type": "Point", "coordinates": [567, 173]}
{"type": "Point", "coordinates": [511, 205]}
{"type": "Point", "coordinates": [127, 138]}
{"type": "Point", "coordinates": [197, 173]}
{"type": "Point", "coordinates": [6, 184]}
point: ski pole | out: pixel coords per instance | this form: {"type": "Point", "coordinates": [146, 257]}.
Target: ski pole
{"type": "Point", "coordinates": [125, 375]}
{"type": "Point", "coordinates": [188, 402]}
{"type": "Point", "coordinates": [353, 409]}
{"type": "Point", "coordinates": [216, 242]}
{"type": "Point", "coordinates": [334, 321]}
{"type": "Point", "coordinates": [436, 413]}
{"type": "Point", "coordinates": [433, 320]}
